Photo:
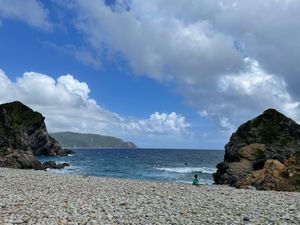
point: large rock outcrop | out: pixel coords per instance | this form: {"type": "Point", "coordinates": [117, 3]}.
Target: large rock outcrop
{"type": "Point", "coordinates": [23, 135]}
{"type": "Point", "coordinates": [262, 153]}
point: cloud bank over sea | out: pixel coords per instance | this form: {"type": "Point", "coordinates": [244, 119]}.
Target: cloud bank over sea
{"type": "Point", "coordinates": [66, 104]}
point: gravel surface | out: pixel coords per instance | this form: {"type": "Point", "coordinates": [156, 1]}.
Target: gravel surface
{"type": "Point", "coordinates": [38, 197]}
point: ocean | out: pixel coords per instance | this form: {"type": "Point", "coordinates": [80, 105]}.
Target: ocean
{"type": "Point", "coordinates": [170, 165]}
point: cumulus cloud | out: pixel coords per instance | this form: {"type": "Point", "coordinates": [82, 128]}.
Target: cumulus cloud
{"type": "Point", "coordinates": [31, 12]}
{"type": "Point", "coordinates": [66, 104]}
{"type": "Point", "coordinates": [164, 124]}
{"type": "Point", "coordinates": [230, 60]}
{"type": "Point", "coordinates": [255, 89]}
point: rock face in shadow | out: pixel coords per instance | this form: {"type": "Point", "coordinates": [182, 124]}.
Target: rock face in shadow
{"type": "Point", "coordinates": [23, 135]}
{"type": "Point", "coordinates": [267, 143]}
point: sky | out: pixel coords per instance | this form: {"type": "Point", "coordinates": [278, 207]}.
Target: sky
{"type": "Point", "coordinates": [160, 73]}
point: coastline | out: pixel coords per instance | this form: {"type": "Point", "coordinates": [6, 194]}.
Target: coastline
{"type": "Point", "coordinates": [140, 148]}
{"type": "Point", "coordinates": [39, 197]}
{"type": "Point", "coordinates": [164, 165]}
{"type": "Point", "coordinates": [100, 148]}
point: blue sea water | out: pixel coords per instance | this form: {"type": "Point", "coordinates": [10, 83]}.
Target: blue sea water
{"type": "Point", "coordinates": [171, 165]}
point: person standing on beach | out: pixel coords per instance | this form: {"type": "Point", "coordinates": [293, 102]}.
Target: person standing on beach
{"type": "Point", "coordinates": [195, 180]}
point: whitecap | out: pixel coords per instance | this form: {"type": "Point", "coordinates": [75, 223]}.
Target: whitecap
{"type": "Point", "coordinates": [208, 170]}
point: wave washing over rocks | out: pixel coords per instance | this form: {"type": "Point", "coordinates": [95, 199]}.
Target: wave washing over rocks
{"type": "Point", "coordinates": [38, 197]}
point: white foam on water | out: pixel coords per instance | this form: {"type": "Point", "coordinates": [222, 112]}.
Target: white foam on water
{"type": "Point", "coordinates": [208, 170]}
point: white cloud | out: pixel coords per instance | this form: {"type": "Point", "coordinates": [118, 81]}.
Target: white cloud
{"type": "Point", "coordinates": [257, 90]}
{"type": "Point", "coordinates": [31, 12]}
{"type": "Point", "coordinates": [74, 86]}
{"type": "Point", "coordinates": [227, 126]}
{"type": "Point", "coordinates": [86, 57]}
{"type": "Point", "coordinates": [164, 124]}
{"type": "Point", "coordinates": [156, 45]}
{"type": "Point", "coordinates": [66, 104]}
{"type": "Point", "coordinates": [201, 46]}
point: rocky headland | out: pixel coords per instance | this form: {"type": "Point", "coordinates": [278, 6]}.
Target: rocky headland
{"type": "Point", "coordinates": [264, 153]}
{"type": "Point", "coordinates": [80, 140]}
{"type": "Point", "coordinates": [23, 135]}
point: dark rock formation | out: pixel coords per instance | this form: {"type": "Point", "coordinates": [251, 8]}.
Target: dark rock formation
{"type": "Point", "coordinates": [270, 136]}
{"type": "Point", "coordinates": [23, 135]}
{"type": "Point", "coordinates": [54, 165]}
{"type": "Point", "coordinates": [15, 158]}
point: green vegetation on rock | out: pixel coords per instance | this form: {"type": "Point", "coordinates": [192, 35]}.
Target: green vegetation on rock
{"type": "Point", "coordinates": [73, 140]}
{"type": "Point", "coordinates": [3, 151]}
{"type": "Point", "coordinates": [21, 115]}
{"type": "Point", "coordinates": [270, 128]}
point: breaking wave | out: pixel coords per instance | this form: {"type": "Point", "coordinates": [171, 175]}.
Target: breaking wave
{"type": "Point", "coordinates": [208, 170]}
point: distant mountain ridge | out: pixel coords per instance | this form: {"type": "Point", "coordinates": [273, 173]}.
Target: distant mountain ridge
{"type": "Point", "coordinates": [77, 140]}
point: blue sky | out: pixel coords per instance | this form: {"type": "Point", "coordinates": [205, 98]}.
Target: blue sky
{"type": "Point", "coordinates": [180, 75]}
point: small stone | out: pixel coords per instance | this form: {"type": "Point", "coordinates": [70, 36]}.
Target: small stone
{"type": "Point", "coordinates": [109, 216]}
{"type": "Point", "coordinates": [93, 222]}
{"type": "Point", "coordinates": [246, 219]}
{"type": "Point", "coordinates": [93, 215]}
{"type": "Point", "coordinates": [64, 221]}
{"type": "Point", "coordinates": [19, 221]}
{"type": "Point", "coordinates": [183, 213]}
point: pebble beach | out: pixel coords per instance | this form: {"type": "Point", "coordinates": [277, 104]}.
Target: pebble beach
{"type": "Point", "coordinates": [40, 197]}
